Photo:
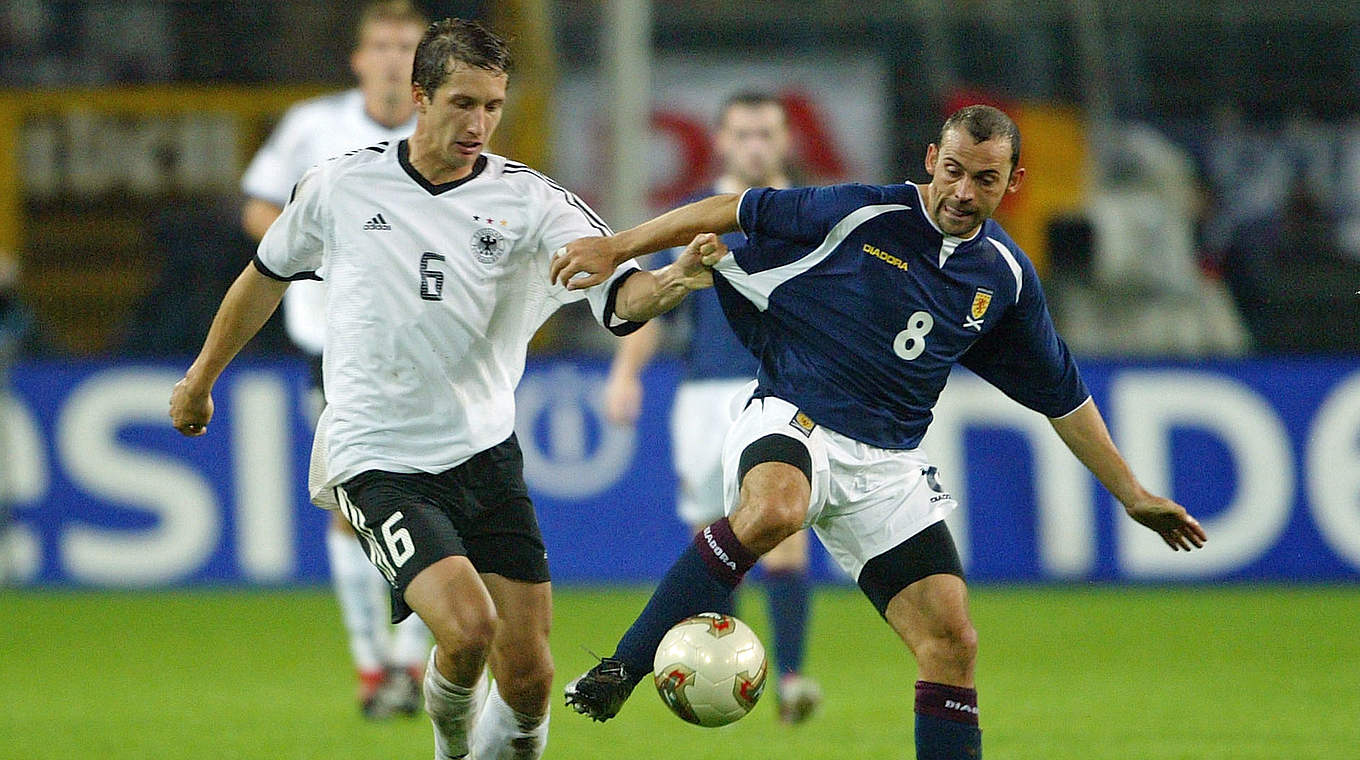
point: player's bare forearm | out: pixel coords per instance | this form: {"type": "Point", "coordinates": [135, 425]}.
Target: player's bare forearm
{"type": "Point", "coordinates": [716, 213]}
{"type": "Point", "coordinates": [636, 350]}
{"type": "Point", "coordinates": [650, 294]}
{"type": "Point", "coordinates": [622, 391]}
{"type": "Point", "coordinates": [594, 258]}
{"type": "Point", "coordinates": [247, 305]}
{"type": "Point", "coordinates": [1085, 434]}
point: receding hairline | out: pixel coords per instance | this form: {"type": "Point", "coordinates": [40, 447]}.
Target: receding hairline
{"type": "Point", "coordinates": [984, 123]}
{"type": "Point", "coordinates": [963, 133]}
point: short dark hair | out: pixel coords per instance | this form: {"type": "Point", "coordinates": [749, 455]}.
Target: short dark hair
{"type": "Point", "coordinates": [984, 123]}
{"type": "Point", "coordinates": [748, 99]}
{"type": "Point", "coordinates": [394, 11]}
{"type": "Point", "coordinates": [456, 40]}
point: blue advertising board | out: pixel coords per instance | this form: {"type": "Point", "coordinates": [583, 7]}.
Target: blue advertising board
{"type": "Point", "coordinates": [102, 492]}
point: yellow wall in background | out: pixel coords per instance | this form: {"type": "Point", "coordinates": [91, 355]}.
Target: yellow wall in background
{"type": "Point", "coordinates": [248, 105]}
{"type": "Point", "coordinates": [1054, 154]}
{"type": "Point", "coordinates": [83, 170]}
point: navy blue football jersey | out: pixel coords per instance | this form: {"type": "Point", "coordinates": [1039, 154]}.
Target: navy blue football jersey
{"type": "Point", "coordinates": [857, 306]}
{"type": "Point", "coordinates": [713, 351]}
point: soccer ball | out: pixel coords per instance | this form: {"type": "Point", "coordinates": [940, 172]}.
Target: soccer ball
{"type": "Point", "coordinates": [710, 669]}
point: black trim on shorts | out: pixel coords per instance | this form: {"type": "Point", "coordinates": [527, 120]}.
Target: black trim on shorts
{"type": "Point", "coordinates": [775, 447]}
{"type": "Point", "coordinates": [930, 552]}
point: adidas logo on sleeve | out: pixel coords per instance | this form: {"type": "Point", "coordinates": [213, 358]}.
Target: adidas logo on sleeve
{"type": "Point", "coordinates": [377, 223]}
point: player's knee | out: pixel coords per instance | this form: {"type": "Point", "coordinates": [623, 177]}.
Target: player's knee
{"type": "Point", "coordinates": [771, 517]}
{"type": "Point", "coordinates": [953, 648]}
{"type": "Point", "coordinates": [526, 683]}
{"type": "Point", "coordinates": [467, 630]}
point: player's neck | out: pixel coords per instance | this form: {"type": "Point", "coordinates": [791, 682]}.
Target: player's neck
{"type": "Point", "coordinates": [729, 183]}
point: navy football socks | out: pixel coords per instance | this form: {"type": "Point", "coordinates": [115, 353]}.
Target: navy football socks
{"type": "Point", "coordinates": [700, 580]}
{"type": "Point", "coordinates": [788, 594]}
{"type": "Point", "coordinates": [946, 722]}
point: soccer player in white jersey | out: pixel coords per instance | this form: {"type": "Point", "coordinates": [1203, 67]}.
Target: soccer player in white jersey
{"type": "Point", "coordinates": [753, 142]}
{"type": "Point", "coordinates": [858, 300]}
{"type": "Point", "coordinates": [389, 665]}
{"type": "Point", "coordinates": [436, 256]}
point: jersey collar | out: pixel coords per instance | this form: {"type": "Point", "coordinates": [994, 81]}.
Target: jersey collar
{"type": "Point", "coordinates": [950, 243]}
{"type": "Point", "coordinates": [404, 158]}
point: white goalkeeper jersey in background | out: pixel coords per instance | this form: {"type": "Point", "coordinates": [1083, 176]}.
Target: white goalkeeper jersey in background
{"type": "Point", "coordinates": [433, 292]}
{"type": "Point", "coordinates": [311, 132]}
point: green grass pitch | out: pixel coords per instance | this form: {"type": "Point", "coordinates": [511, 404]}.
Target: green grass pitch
{"type": "Point", "coordinates": [1065, 672]}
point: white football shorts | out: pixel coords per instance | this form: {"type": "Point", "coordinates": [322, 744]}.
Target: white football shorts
{"type": "Point", "coordinates": [700, 417]}
{"type": "Point", "coordinates": [865, 500]}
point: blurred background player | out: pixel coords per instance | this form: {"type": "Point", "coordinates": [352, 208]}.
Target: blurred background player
{"type": "Point", "coordinates": [390, 663]}
{"type": "Point", "coordinates": [753, 142]}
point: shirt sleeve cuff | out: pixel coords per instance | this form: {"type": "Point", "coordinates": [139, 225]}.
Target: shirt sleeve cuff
{"type": "Point", "coordinates": [271, 274]}
{"type": "Point", "coordinates": [744, 223]}
{"type": "Point", "coordinates": [618, 326]}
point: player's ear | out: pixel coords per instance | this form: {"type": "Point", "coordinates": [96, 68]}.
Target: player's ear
{"type": "Point", "coordinates": [418, 96]}
{"type": "Point", "coordinates": [932, 156]}
{"type": "Point", "coordinates": [1017, 174]}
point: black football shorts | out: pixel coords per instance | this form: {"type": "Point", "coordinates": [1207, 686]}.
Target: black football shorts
{"type": "Point", "coordinates": [479, 509]}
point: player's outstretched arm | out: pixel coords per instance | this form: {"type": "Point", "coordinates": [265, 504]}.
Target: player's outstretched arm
{"type": "Point", "coordinates": [623, 388]}
{"type": "Point", "coordinates": [649, 294]}
{"type": "Point", "coordinates": [1085, 434]}
{"type": "Point", "coordinates": [244, 310]}
{"type": "Point", "coordinates": [598, 256]}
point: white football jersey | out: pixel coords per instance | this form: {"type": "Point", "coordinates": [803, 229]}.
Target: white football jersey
{"type": "Point", "coordinates": [311, 132]}
{"type": "Point", "coordinates": [433, 292]}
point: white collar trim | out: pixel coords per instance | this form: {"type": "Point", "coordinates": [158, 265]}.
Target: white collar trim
{"type": "Point", "coordinates": [950, 242]}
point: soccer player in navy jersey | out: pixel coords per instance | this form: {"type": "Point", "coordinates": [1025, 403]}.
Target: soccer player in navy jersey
{"type": "Point", "coordinates": [753, 142]}
{"type": "Point", "coordinates": [858, 300]}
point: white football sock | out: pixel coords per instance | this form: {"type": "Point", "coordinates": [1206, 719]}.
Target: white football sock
{"type": "Point", "coordinates": [410, 642]}
{"type": "Point", "coordinates": [352, 576]}
{"type": "Point", "coordinates": [503, 734]}
{"type": "Point", "coordinates": [453, 710]}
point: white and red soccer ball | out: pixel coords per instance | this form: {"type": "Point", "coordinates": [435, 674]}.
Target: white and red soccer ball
{"type": "Point", "coordinates": [710, 669]}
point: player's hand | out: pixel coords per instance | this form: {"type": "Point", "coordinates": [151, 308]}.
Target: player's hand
{"type": "Point", "coordinates": [582, 263]}
{"type": "Point", "coordinates": [707, 247]}
{"type": "Point", "coordinates": [695, 263]}
{"type": "Point", "coordinates": [622, 398]}
{"type": "Point", "coordinates": [1169, 520]}
{"type": "Point", "coordinates": [190, 409]}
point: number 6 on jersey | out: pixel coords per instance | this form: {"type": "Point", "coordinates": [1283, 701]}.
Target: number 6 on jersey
{"type": "Point", "coordinates": [431, 280]}
{"type": "Point", "coordinates": [911, 342]}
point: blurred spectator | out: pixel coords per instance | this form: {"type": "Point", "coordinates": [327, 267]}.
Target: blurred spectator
{"type": "Point", "coordinates": [46, 43]}
{"type": "Point", "coordinates": [1140, 290]}
{"type": "Point", "coordinates": [1293, 280]}
{"type": "Point", "coordinates": [16, 320]}
{"type": "Point", "coordinates": [202, 249]}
